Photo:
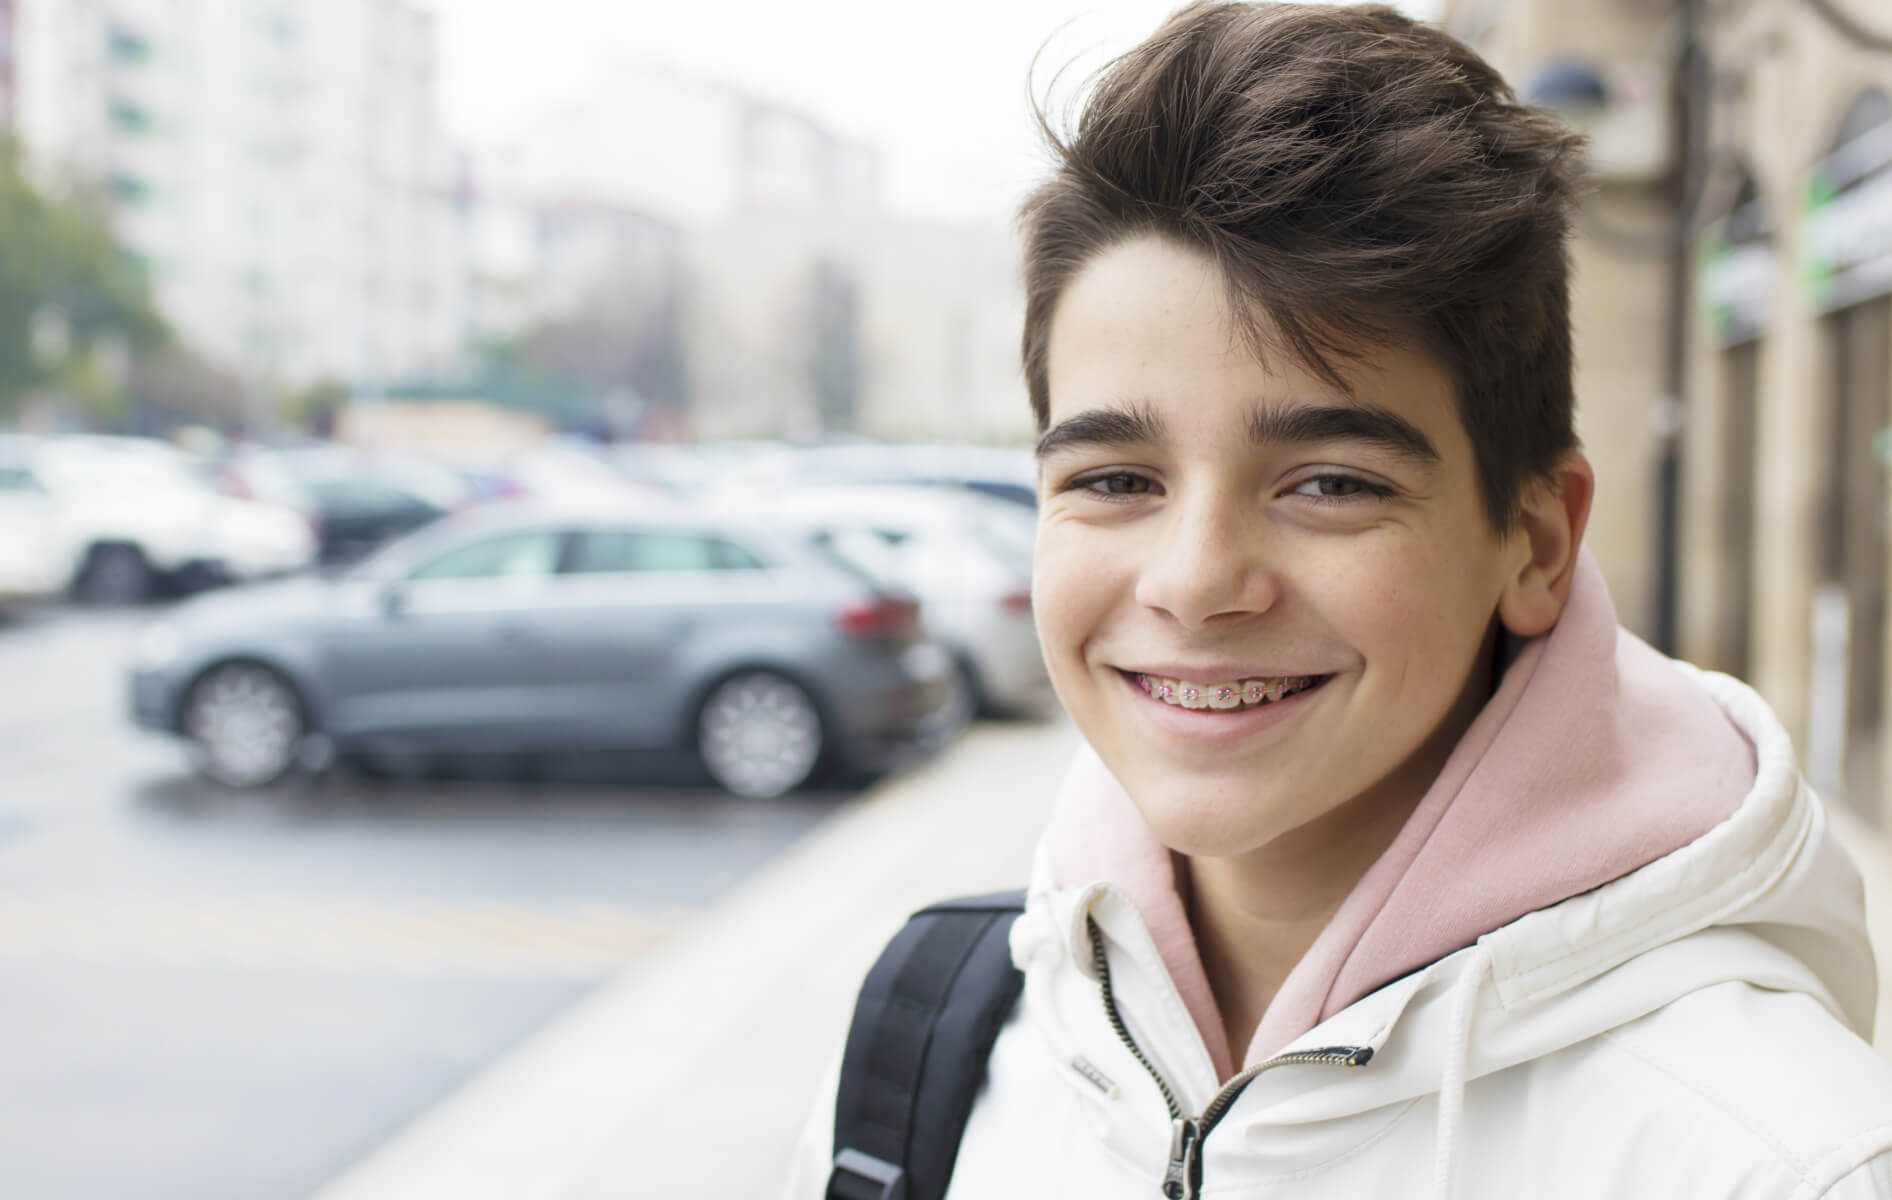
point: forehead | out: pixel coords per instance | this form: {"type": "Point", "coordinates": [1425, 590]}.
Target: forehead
{"type": "Point", "coordinates": [1149, 322]}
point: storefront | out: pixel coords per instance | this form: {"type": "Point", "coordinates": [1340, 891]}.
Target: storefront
{"type": "Point", "coordinates": [1847, 270]}
{"type": "Point", "coordinates": [1739, 269]}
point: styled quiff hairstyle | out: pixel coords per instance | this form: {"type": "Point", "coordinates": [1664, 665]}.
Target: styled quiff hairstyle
{"type": "Point", "coordinates": [1359, 178]}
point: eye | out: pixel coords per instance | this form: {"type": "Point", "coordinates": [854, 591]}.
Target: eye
{"type": "Point", "coordinates": [1113, 484]}
{"type": "Point", "coordinates": [1339, 488]}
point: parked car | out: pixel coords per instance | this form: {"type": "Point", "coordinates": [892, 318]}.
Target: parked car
{"type": "Point", "coordinates": [529, 628]}
{"type": "Point", "coordinates": [675, 469]}
{"type": "Point", "coordinates": [1009, 474]}
{"type": "Point", "coordinates": [37, 557]}
{"type": "Point", "coordinates": [571, 470]}
{"type": "Point", "coordinates": [144, 520]}
{"type": "Point", "coordinates": [967, 557]}
{"type": "Point", "coordinates": [354, 502]}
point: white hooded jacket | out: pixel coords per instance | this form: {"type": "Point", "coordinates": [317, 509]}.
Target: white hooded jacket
{"type": "Point", "coordinates": [1691, 1028]}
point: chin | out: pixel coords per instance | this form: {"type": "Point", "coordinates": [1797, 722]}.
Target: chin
{"type": "Point", "coordinates": [1212, 818]}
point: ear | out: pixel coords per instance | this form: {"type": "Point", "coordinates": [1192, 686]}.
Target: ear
{"type": "Point", "coordinates": [1542, 547]}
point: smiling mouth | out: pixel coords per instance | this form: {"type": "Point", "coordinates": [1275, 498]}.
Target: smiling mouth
{"type": "Point", "coordinates": [1237, 695]}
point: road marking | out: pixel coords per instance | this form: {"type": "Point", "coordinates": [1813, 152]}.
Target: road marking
{"type": "Point", "coordinates": [381, 937]}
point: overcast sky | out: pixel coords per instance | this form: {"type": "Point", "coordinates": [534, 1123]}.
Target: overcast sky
{"type": "Point", "coordinates": [940, 88]}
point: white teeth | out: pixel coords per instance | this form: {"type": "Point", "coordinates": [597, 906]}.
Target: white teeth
{"type": "Point", "coordinates": [1232, 694]}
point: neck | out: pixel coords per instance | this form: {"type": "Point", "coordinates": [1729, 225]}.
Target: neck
{"type": "Point", "coordinates": [1255, 916]}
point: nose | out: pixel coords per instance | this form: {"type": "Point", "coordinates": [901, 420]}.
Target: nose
{"type": "Point", "coordinates": [1210, 563]}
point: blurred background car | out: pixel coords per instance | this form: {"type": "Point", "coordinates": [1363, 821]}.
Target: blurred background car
{"type": "Point", "coordinates": [677, 470]}
{"type": "Point", "coordinates": [574, 470]}
{"type": "Point", "coordinates": [531, 628]}
{"type": "Point", "coordinates": [144, 520]}
{"type": "Point", "coordinates": [1005, 473]}
{"type": "Point", "coordinates": [37, 558]}
{"type": "Point", "coordinates": [352, 501]}
{"type": "Point", "coordinates": [967, 557]}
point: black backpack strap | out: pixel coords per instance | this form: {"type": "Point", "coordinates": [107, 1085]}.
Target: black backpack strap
{"type": "Point", "coordinates": [916, 1053]}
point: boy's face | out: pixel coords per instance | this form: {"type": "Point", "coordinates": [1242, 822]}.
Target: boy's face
{"type": "Point", "coordinates": [1212, 521]}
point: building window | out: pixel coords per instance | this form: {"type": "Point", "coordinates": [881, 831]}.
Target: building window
{"type": "Point", "coordinates": [128, 117]}
{"type": "Point", "coordinates": [281, 26]}
{"type": "Point", "coordinates": [126, 45]}
{"type": "Point", "coordinates": [129, 190]}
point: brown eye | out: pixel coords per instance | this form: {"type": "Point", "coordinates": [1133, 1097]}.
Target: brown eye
{"type": "Point", "coordinates": [1112, 485]}
{"type": "Point", "coordinates": [1340, 488]}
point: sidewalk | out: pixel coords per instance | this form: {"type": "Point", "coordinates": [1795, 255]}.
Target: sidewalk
{"type": "Point", "coordinates": [651, 1088]}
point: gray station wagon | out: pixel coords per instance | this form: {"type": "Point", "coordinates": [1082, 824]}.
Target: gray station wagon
{"type": "Point", "coordinates": [529, 629]}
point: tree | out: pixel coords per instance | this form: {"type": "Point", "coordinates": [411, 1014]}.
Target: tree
{"type": "Point", "coordinates": [74, 305]}
{"type": "Point", "coordinates": [314, 408]}
{"type": "Point", "coordinates": [625, 342]}
{"type": "Point", "coordinates": [174, 385]}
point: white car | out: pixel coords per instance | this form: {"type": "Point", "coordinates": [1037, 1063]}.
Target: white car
{"type": "Point", "coordinates": [37, 559]}
{"type": "Point", "coordinates": [1007, 473]}
{"type": "Point", "coordinates": [966, 557]}
{"type": "Point", "coordinates": [570, 471]}
{"type": "Point", "coordinates": [141, 516]}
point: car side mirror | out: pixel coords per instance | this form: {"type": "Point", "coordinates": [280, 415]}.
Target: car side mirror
{"type": "Point", "coordinates": [393, 600]}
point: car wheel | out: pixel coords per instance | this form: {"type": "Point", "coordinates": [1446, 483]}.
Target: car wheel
{"type": "Point", "coordinates": [246, 725]}
{"type": "Point", "coordinates": [759, 734]}
{"type": "Point", "coordinates": [963, 700]}
{"type": "Point", "coordinates": [115, 574]}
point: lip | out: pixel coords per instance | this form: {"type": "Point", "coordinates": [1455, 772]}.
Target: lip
{"type": "Point", "coordinates": [1217, 672]}
{"type": "Point", "coordinates": [1212, 727]}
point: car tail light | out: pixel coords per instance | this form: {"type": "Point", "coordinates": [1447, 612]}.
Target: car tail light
{"type": "Point", "coordinates": [881, 616]}
{"type": "Point", "coordinates": [1016, 600]}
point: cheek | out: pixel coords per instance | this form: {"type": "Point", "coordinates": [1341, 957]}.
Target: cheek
{"type": "Point", "coordinates": [1070, 591]}
{"type": "Point", "coordinates": [1410, 612]}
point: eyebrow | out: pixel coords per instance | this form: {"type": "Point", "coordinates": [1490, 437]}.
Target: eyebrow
{"type": "Point", "coordinates": [1343, 423]}
{"type": "Point", "coordinates": [1137, 424]}
{"type": "Point", "coordinates": [1131, 424]}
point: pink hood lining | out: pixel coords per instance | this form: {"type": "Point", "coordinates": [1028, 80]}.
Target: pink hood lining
{"type": "Point", "coordinates": [1595, 756]}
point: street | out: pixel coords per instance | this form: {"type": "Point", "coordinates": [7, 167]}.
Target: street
{"type": "Point", "coordinates": [208, 994]}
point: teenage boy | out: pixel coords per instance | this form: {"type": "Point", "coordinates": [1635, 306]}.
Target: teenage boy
{"type": "Point", "coordinates": [1392, 865]}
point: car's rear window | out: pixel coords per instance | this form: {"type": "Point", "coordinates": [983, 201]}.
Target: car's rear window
{"type": "Point", "coordinates": [1008, 541]}
{"type": "Point", "coordinates": [362, 494]}
{"type": "Point", "coordinates": [862, 553]}
{"type": "Point", "coordinates": [523, 555]}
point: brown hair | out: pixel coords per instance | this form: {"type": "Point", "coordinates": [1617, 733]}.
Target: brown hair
{"type": "Point", "coordinates": [1357, 176]}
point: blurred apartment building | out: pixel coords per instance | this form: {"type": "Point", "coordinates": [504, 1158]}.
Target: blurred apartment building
{"type": "Point", "coordinates": [276, 166]}
{"type": "Point", "coordinates": [1784, 424]}
{"type": "Point", "coordinates": [942, 307]}
{"type": "Point", "coordinates": [750, 236]}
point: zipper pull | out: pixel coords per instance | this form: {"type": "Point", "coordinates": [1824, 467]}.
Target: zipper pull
{"type": "Point", "coordinates": [1182, 1179]}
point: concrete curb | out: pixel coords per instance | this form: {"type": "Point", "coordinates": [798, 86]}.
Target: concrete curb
{"type": "Point", "coordinates": [692, 1073]}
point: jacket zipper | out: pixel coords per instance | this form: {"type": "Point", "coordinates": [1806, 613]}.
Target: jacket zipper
{"type": "Point", "coordinates": [1182, 1177]}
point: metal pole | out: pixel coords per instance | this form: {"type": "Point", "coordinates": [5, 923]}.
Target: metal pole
{"type": "Point", "coordinates": [1686, 107]}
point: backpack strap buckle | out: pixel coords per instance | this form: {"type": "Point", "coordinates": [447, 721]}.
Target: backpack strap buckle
{"type": "Point", "coordinates": [859, 1176]}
